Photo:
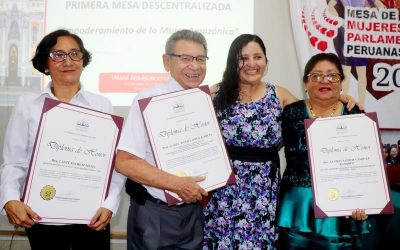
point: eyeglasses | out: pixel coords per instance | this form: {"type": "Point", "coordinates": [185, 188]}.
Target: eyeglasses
{"type": "Point", "coordinates": [188, 59]}
{"type": "Point", "coordinates": [318, 77]}
{"type": "Point", "coordinates": [59, 55]}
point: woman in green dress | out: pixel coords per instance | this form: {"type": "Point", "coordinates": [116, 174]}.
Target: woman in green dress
{"type": "Point", "coordinates": [299, 229]}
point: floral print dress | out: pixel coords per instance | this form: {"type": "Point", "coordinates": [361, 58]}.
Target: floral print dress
{"type": "Point", "coordinates": [242, 215]}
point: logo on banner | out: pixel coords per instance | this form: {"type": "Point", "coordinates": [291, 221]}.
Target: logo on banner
{"type": "Point", "coordinates": [365, 35]}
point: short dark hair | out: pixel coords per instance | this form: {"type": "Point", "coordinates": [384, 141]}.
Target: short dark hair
{"type": "Point", "coordinates": [39, 61]}
{"type": "Point", "coordinates": [330, 57]}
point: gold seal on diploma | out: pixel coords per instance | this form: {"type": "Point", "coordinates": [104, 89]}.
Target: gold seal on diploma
{"type": "Point", "coordinates": [180, 174]}
{"type": "Point", "coordinates": [333, 194]}
{"type": "Point", "coordinates": [47, 192]}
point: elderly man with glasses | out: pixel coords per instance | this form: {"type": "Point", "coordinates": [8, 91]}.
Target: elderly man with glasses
{"type": "Point", "coordinates": [152, 224]}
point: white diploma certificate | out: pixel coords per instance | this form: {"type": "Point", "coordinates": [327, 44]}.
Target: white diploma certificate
{"type": "Point", "coordinates": [185, 138]}
{"type": "Point", "coordinates": [346, 164]}
{"type": "Point", "coordinates": [72, 162]}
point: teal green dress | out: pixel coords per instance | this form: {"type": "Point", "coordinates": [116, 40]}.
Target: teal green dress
{"type": "Point", "coordinates": [299, 229]}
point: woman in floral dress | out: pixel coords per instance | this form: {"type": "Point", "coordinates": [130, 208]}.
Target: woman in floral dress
{"type": "Point", "coordinates": [242, 215]}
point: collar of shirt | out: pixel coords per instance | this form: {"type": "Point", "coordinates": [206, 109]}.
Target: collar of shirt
{"type": "Point", "coordinates": [173, 85]}
{"type": "Point", "coordinates": [81, 96]}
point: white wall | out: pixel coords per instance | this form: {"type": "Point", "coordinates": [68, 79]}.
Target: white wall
{"type": "Point", "coordinates": [272, 24]}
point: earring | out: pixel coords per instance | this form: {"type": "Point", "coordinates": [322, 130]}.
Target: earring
{"type": "Point", "coordinates": [46, 71]}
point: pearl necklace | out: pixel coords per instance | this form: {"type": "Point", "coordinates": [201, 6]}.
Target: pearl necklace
{"type": "Point", "coordinates": [333, 107]}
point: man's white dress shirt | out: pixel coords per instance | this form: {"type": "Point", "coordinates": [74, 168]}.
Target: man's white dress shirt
{"type": "Point", "coordinates": [134, 137]}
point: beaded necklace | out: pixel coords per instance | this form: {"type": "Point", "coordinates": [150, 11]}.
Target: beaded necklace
{"type": "Point", "coordinates": [333, 107]}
